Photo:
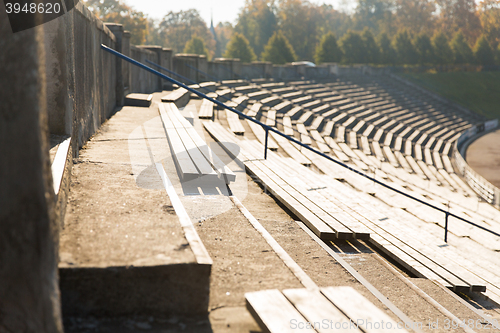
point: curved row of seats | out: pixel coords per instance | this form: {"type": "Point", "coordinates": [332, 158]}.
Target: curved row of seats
{"type": "Point", "coordinates": [402, 136]}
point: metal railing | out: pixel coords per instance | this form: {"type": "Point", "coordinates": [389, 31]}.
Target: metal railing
{"type": "Point", "coordinates": [272, 129]}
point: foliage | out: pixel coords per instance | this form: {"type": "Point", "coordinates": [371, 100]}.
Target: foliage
{"type": "Point", "coordinates": [257, 22]}
{"type": "Point", "coordinates": [196, 46]}
{"type": "Point", "coordinates": [415, 15]}
{"type": "Point", "coordinates": [387, 53]}
{"type": "Point", "coordinates": [477, 91]}
{"type": "Point", "coordinates": [406, 53]}
{"type": "Point", "coordinates": [239, 47]}
{"type": "Point", "coordinates": [177, 28]}
{"type": "Point", "coordinates": [372, 51]}
{"type": "Point", "coordinates": [353, 48]}
{"type": "Point", "coordinates": [224, 32]}
{"type": "Point", "coordinates": [118, 12]}
{"type": "Point", "coordinates": [462, 53]}
{"type": "Point", "coordinates": [424, 49]}
{"type": "Point", "coordinates": [305, 22]}
{"type": "Point", "coordinates": [483, 53]}
{"type": "Point", "coordinates": [278, 50]}
{"type": "Point", "coordinates": [328, 50]}
{"type": "Point", "coordinates": [442, 51]}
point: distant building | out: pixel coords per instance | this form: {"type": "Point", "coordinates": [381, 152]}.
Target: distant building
{"type": "Point", "coordinates": [218, 51]}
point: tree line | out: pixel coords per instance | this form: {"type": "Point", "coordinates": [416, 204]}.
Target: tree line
{"type": "Point", "coordinates": [377, 31]}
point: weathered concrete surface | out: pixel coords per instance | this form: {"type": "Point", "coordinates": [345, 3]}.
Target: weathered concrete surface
{"type": "Point", "coordinates": [142, 100]}
{"type": "Point", "coordinates": [483, 156]}
{"type": "Point", "coordinates": [29, 293]}
{"type": "Point", "coordinates": [123, 250]}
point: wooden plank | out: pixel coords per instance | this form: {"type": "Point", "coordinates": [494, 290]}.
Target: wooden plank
{"type": "Point", "coordinates": [415, 166]}
{"type": "Point", "coordinates": [234, 123]}
{"type": "Point", "coordinates": [271, 118]}
{"type": "Point", "coordinates": [328, 129]}
{"type": "Point", "coordinates": [320, 142]}
{"type": "Point", "coordinates": [220, 167]}
{"type": "Point", "coordinates": [377, 150]}
{"type": "Point", "coordinates": [187, 169]}
{"type": "Point", "coordinates": [295, 112]}
{"type": "Point", "coordinates": [287, 126]}
{"type": "Point", "coordinates": [345, 226]}
{"type": "Point", "coordinates": [290, 149]}
{"type": "Point", "coordinates": [447, 164]}
{"type": "Point", "coordinates": [254, 110]}
{"type": "Point", "coordinates": [206, 110]}
{"type": "Point", "coordinates": [260, 134]}
{"type": "Point", "coordinates": [390, 156]}
{"type": "Point", "coordinates": [273, 312]}
{"type": "Point", "coordinates": [403, 162]}
{"type": "Point", "coordinates": [199, 160]}
{"type": "Point", "coordinates": [365, 145]}
{"type": "Point", "coordinates": [304, 135]}
{"type": "Point", "coordinates": [316, 308]}
{"type": "Point", "coordinates": [353, 140]}
{"type": "Point", "coordinates": [360, 310]}
{"type": "Point", "coordinates": [320, 228]}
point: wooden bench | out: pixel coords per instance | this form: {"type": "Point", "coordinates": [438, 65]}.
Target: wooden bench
{"type": "Point", "coordinates": [260, 134]}
{"type": "Point", "coordinates": [344, 309]}
{"type": "Point", "coordinates": [206, 110]}
{"type": "Point", "coordinates": [235, 125]}
{"type": "Point", "coordinates": [193, 157]}
{"type": "Point", "coordinates": [179, 96]}
{"type": "Point", "coordinates": [271, 118]}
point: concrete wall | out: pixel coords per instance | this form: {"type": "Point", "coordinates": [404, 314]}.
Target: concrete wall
{"type": "Point", "coordinates": [192, 67]}
{"type": "Point", "coordinates": [142, 81]}
{"type": "Point", "coordinates": [257, 69]}
{"type": "Point", "coordinates": [29, 292]}
{"type": "Point", "coordinates": [225, 69]}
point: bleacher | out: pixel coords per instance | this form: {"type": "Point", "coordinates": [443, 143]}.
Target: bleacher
{"type": "Point", "coordinates": [386, 129]}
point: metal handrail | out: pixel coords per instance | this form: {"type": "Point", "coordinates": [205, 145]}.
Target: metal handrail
{"type": "Point", "coordinates": [269, 128]}
{"type": "Point", "coordinates": [214, 91]}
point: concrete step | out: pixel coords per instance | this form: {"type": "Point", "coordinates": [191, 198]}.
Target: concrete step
{"type": "Point", "coordinates": [143, 100]}
{"type": "Point", "coordinates": [128, 247]}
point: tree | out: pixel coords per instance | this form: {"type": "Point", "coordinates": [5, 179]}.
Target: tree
{"type": "Point", "coordinates": [373, 14]}
{"type": "Point", "coordinates": [328, 50]}
{"type": "Point", "coordinates": [489, 14]}
{"type": "Point", "coordinates": [298, 20]}
{"type": "Point", "coordinates": [239, 47]}
{"type": "Point", "coordinates": [406, 53]}
{"type": "Point", "coordinates": [353, 47]}
{"type": "Point", "coordinates": [462, 53]}
{"type": "Point", "coordinates": [177, 28]}
{"type": "Point", "coordinates": [459, 15]}
{"type": "Point", "coordinates": [415, 15]}
{"type": "Point", "coordinates": [224, 32]}
{"type": "Point", "coordinates": [442, 50]}
{"type": "Point", "coordinates": [483, 53]}
{"type": "Point", "coordinates": [278, 50]}
{"type": "Point", "coordinates": [196, 46]}
{"type": "Point", "coordinates": [387, 52]}
{"type": "Point", "coordinates": [423, 47]}
{"type": "Point", "coordinates": [372, 51]}
{"type": "Point", "coordinates": [117, 12]}
{"type": "Point", "coordinates": [257, 22]}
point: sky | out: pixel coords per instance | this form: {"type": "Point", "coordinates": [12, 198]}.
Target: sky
{"type": "Point", "coordinates": [223, 10]}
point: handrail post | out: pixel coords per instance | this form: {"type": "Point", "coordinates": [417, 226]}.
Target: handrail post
{"type": "Point", "coordinates": [446, 227]}
{"type": "Point", "coordinates": [265, 144]}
